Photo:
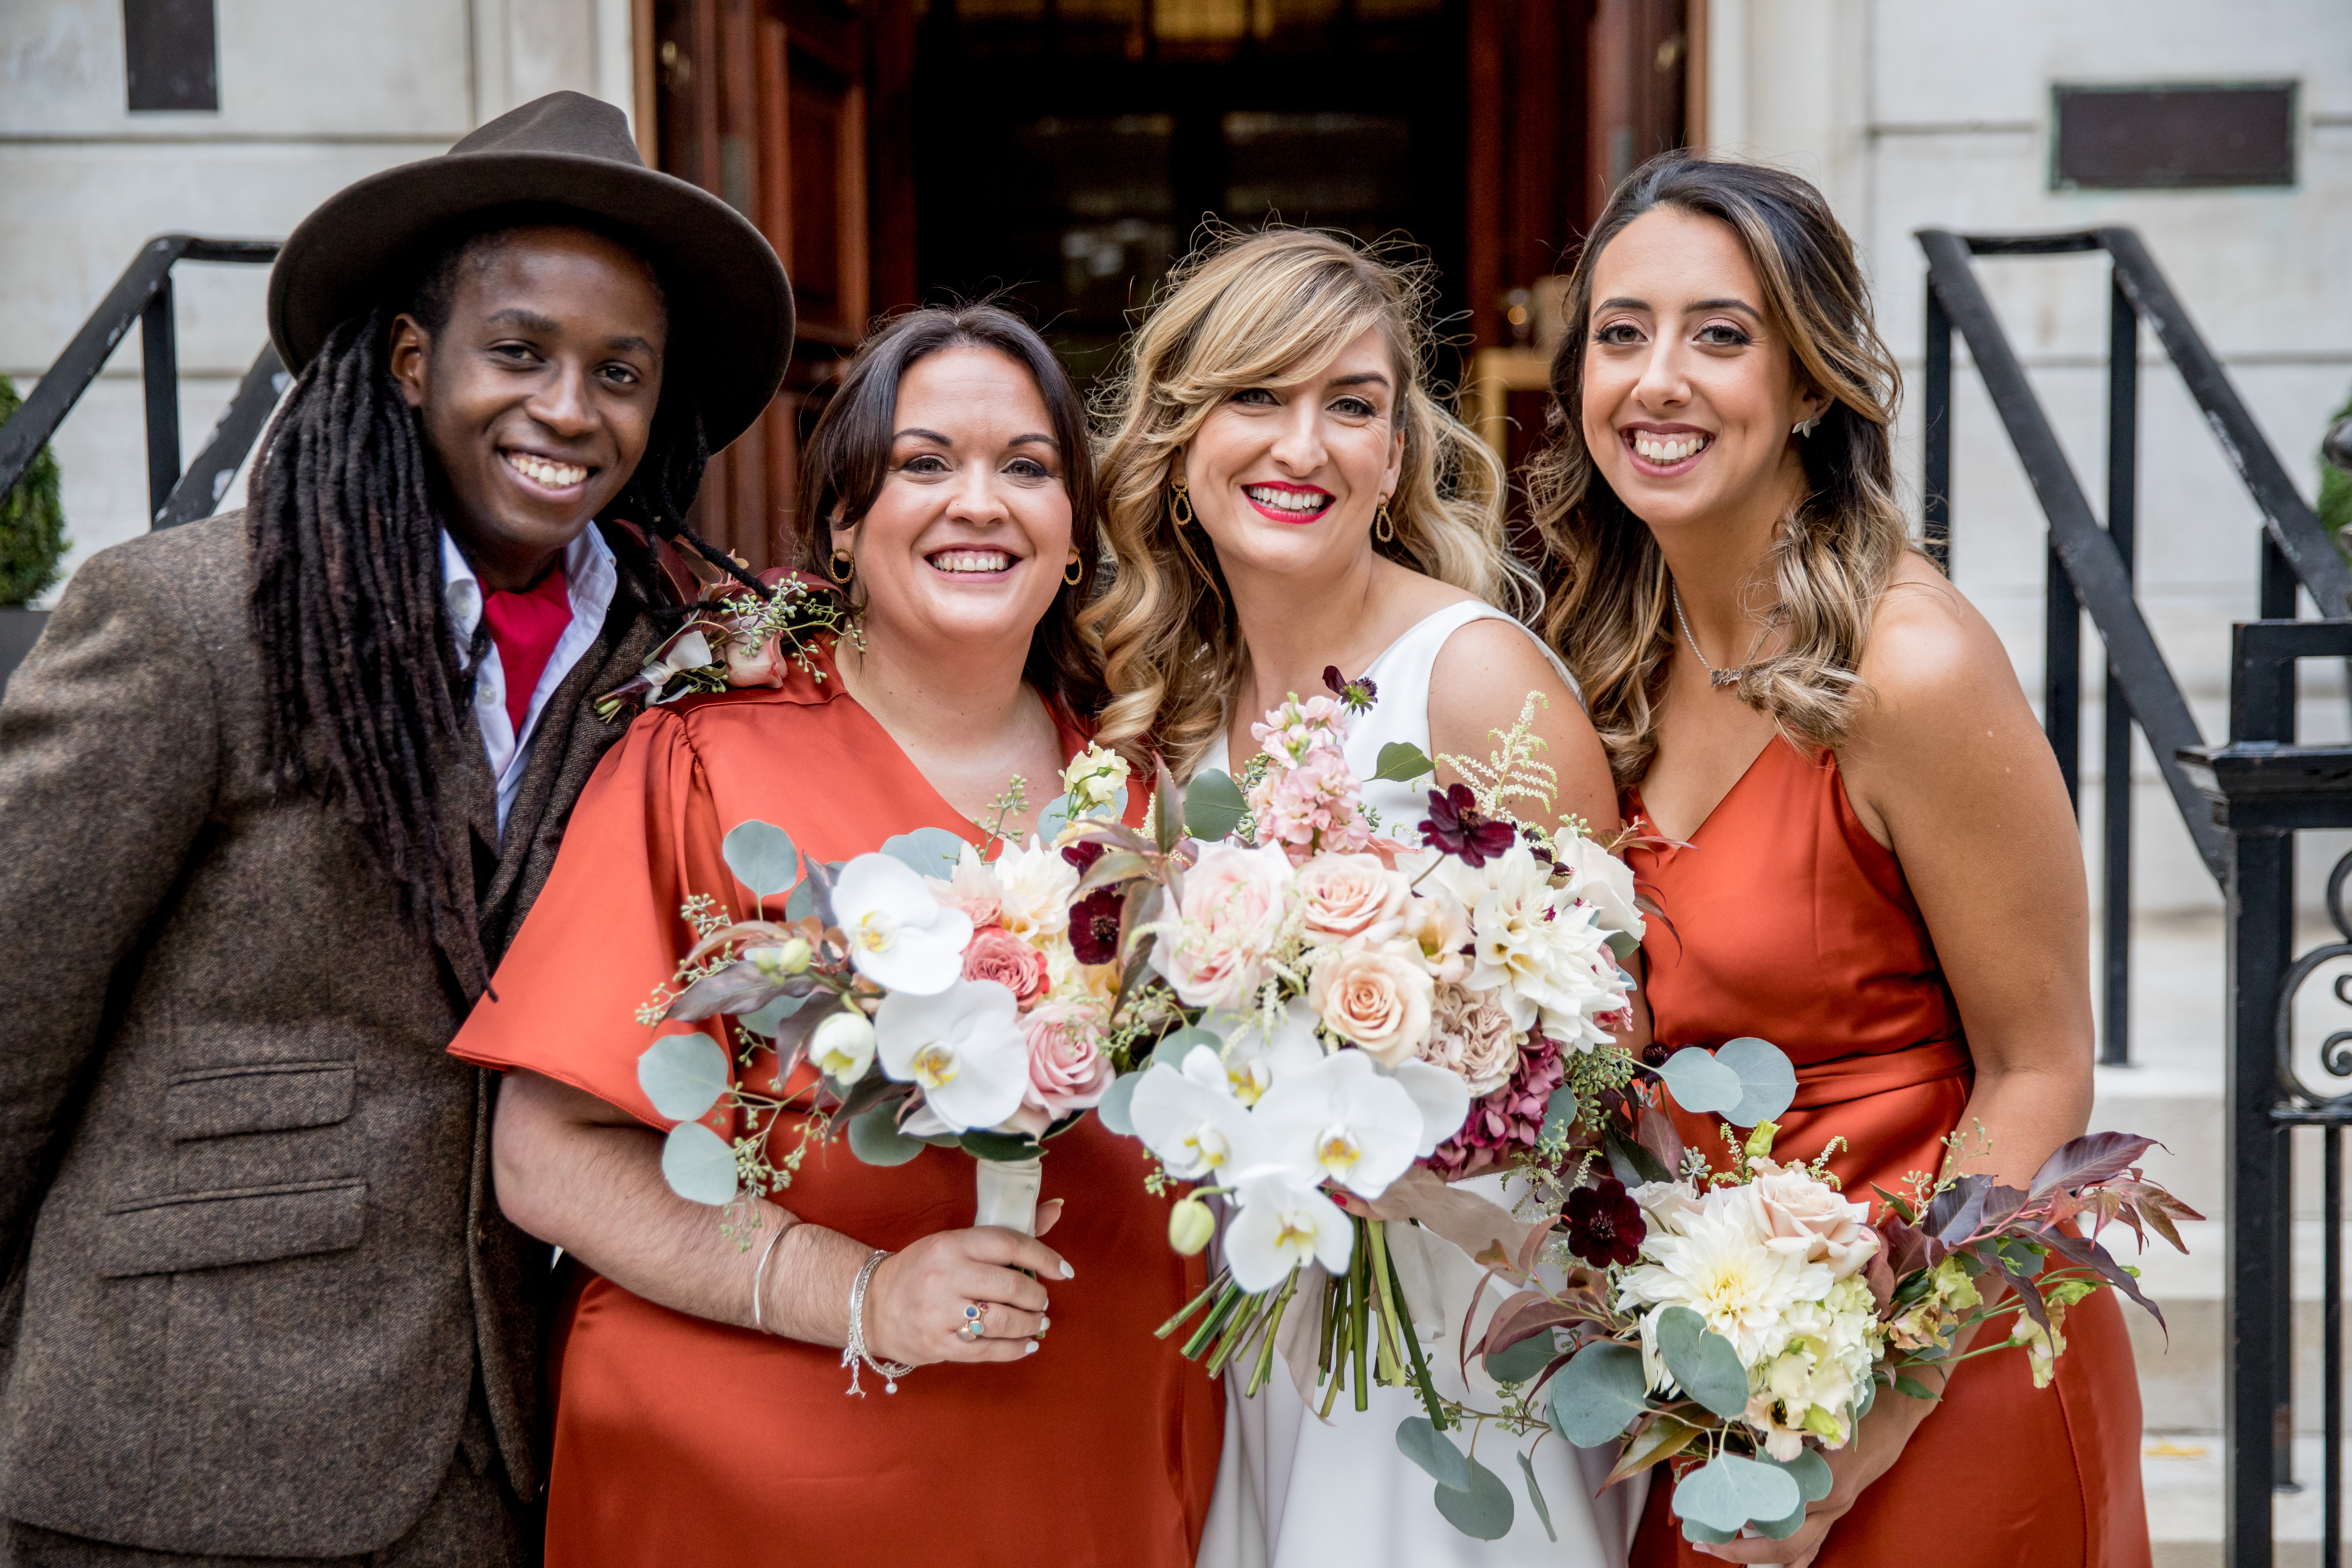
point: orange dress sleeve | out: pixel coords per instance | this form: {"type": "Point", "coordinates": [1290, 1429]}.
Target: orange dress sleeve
{"type": "Point", "coordinates": [606, 931]}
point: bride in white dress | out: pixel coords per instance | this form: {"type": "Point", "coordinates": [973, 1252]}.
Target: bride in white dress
{"type": "Point", "coordinates": [1283, 495]}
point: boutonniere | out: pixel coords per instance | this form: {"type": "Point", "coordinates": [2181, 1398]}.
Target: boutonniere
{"type": "Point", "coordinates": [732, 638]}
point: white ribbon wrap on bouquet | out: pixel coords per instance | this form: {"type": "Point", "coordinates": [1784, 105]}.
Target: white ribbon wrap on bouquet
{"type": "Point", "coordinates": [1008, 1192]}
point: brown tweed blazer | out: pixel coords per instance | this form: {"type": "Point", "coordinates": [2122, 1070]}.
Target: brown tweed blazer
{"type": "Point", "coordinates": [253, 1258]}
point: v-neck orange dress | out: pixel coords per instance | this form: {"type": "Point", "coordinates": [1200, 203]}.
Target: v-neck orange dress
{"type": "Point", "coordinates": [1785, 919]}
{"type": "Point", "coordinates": [685, 1443]}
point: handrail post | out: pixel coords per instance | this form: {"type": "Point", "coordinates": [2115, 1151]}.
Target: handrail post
{"type": "Point", "coordinates": [1936, 491]}
{"type": "Point", "coordinates": [2116, 816]}
{"type": "Point", "coordinates": [158, 353]}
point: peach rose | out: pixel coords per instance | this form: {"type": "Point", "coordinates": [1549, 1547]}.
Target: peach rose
{"type": "Point", "coordinates": [761, 666]}
{"type": "Point", "coordinates": [1376, 998]}
{"type": "Point", "coordinates": [1796, 1211]}
{"type": "Point", "coordinates": [997, 954]}
{"type": "Point", "coordinates": [1349, 899]}
{"type": "Point", "coordinates": [1067, 1069]}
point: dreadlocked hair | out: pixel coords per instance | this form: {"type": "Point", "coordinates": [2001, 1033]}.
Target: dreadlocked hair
{"type": "Point", "coordinates": [365, 679]}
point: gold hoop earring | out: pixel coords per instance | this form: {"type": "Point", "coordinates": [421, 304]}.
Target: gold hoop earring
{"type": "Point", "coordinates": [1383, 526]}
{"type": "Point", "coordinates": [1180, 502]}
{"type": "Point", "coordinates": [842, 567]}
{"type": "Point", "coordinates": [1075, 572]}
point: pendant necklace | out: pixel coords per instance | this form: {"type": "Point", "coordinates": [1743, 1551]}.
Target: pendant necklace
{"type": "Point", "coordinates": [1714, 677]}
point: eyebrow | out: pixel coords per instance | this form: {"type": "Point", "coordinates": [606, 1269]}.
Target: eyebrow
{"type": "Point", "coordinates": [917, 432]}
{"type": "Point", "coordinates": [1366, 378]}
{"type": "Point", "coordinates": [1726, 303]}
{"type": "Point", "coordinates": [529, 321]}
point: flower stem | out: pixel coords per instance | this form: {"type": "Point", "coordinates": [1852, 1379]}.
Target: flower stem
{"type": "Point", "coordinates": [1359, 1314]}
{"type": "Point", "coordinates": [1215, 1323]}
{"type": "Point", "coordinates": [1194, 1305]}
{"type": "Point", "coordinates": [1265, 1365]}
{"type": "Point", "coordinates": [1428, 1391]}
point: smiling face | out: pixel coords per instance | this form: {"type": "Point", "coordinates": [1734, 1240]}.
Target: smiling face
{"type": "Point", "coordinates": [969, 536]}
{"type": "Point", "coordinates": [538, 392]}
{"type": "Point", "coordinates": [1689, 393]}
{"type": "Point", "coordinates": [1286, 478]}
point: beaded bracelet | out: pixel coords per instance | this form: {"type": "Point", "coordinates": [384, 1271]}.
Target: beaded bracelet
{"type": "Point", "coordinates": [855, 1352]}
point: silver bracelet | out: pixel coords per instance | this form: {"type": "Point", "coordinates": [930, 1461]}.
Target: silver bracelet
{"type": "Point", "coordinates": [760, 1274]}
{"type": "Point", "coordinates": [853, 1354]}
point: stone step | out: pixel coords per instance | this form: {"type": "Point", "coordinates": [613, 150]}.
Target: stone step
{"type": "Point", "coordinates": [2180, 1373]}
{"type": "Point", "coordinates": [2184, 1474]}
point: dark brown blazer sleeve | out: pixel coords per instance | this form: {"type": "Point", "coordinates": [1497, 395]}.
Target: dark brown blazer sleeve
{"type": "Point", "coordinates": [108, 765]}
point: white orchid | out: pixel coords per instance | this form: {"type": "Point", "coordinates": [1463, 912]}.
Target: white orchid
{"type": "Point", "coordinates": [1255, 1057]}
{"type": "Point", "coordinates": [1283, 1223]}
{"type": "Point", "coordinates": [1541, 954]}
{"type": "Point", "coordinates": [1189, 1118]}
{"type": "Point", "coordinates": [1339, 1120]}
{"type": "Point", "coordinates": [900, 937]}
{"type": "Point", "coordinates": [964, 1046]}
{"type": "Point", "coordinates": [1440, 1097]}
{"type": "Point", "coordinates": [842, 1045]}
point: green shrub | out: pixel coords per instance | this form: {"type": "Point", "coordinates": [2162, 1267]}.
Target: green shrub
{"type": "Point", "coordinates": [32, 522]}
{"type": "Point", "coordinates": [2336, 492]}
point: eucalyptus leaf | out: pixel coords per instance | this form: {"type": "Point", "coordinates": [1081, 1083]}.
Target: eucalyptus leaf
{"type": "Point", "coordinates": [1483, 1512]}
{"type": "Point", "coordinates": [1693, 1531]}
{"type": "Point", "coordinates": [1810, 1473]}
{"type": "Point", "coordinates": [1768, 1083]}
{"type": "Point", "coordinates": [1055, 815]}
{"type": "Point", "coordinates": [1418, 1440]}
{"type": "Point", "coordinates": [699, 1164]}
{"type": "Point", "coordinates": [1727, 1491]}
{"type": "Point", "coordinates": [765, 1021]}
{"type": "Point", "coordinates": [1177, 1044]}
{"type": "Point", "coordinates": [1598, 1392]}
{"type": "Point", "coordinates": [1117, 1108]}
{"type": "Point", "coordinates": [1522, 1361]}
{"type": "Point", "coordinates": [1212, 805]}
{"type": "Point", "coordinates": [983, 1144]}
{"type": "Point", "coordinates": [761, 857]}
{"type": "Point", "coordinates": [1624, 944]}
{"type": "Point", "coordinates": [874, 1138]}
{"type": "Point", "coordinates": [1402, 761]}
{"type": "Point", "coordinates": [1705, 1363]}
{"type": "Point", "coordinates": [1535, 1495]}
{"type": "Point", "coordinates": [1782, 1529]}
{"type": "Point", "coordinates": [927, 851]}
{"type": "Point", "coordinates": [1559, 1114]}
{"type": "Point", "coordinates": [1699, 1083]}
{"type": "Point", "coordinates": [1631, 1163]}
{"type": "Point", "coordinates": [684, 1075]}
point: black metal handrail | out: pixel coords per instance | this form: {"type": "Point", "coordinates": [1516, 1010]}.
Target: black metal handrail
{"type": "Point", "coordinates": [2090, 563]}
{"type": "Point", "coordinates": [2263, 788]}
{"type": "Point", "coordinates": [143, 294]}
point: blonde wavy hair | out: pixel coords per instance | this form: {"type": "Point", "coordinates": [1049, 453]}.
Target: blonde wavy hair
{"type": "Point", "coordinates": [1249, 310]}
{"type": "Point", "coordinates": [1832, 556]}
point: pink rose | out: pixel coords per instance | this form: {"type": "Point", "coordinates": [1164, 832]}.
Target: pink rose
{"type": "Point", "coordinates": [997, 954]}
{"type": "Point", "coordinates": [1067, 1069]}
{"type": "Point", "coordinates": [1376, 999]}
{"type": "Point", "coordinates": [1798, 1213]}
{"type": "Point", "coordinates": [761, 666]}
{"type": "Point", "coordinates": [1350, 898]}
{"type": "Point", "coordinates": [1236, 900]}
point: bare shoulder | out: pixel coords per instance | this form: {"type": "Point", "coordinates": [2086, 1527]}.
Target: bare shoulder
{"type": "Point", "coordinates": [1493, 664]}
{"type": "Point", "coordinates": [1932, 659]}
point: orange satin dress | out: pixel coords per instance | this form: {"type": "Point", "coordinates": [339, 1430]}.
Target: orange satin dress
{"type": "Point", "coordinates": [686, 1443]}
{"type": "Point", "coordinates": [1785, 919]}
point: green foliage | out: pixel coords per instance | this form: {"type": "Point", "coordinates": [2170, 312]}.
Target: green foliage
{"type": "Point", "coordinates": [2335, 492]}
{"type": "Point", "coordinates": [32, 521]}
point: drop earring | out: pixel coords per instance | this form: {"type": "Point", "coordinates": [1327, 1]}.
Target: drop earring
{"type": "Point", "coordinates": [1075, 572]}
{"type": "Point", "coordinates": [1180, 502]}
{"type": "Point", "coordinates": [842, 567]}
{"type": "Point", "coordinates": [1383, 526]}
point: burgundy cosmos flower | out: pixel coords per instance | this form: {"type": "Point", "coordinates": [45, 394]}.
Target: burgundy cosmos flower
{"type": "Point", "coordinates": [1458, 826]}
{"type": "Point", "coordinates": [1358, 695]}
{"type": "Point", "coordinates": [1094, 920]}
{"type": "Point", "coordinates": [1605, 1226]}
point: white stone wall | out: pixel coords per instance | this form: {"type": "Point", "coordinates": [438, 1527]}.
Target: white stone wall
{"type": "Point", "coordinates": [313, 95]}
{"type": "Point", "coordinates": [1922, 113]}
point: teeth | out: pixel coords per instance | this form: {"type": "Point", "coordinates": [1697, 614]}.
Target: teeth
{"type": "Point", "coordinates": [971, 560]}
{"type": "Point", "coordinates": [1287, 501]}
{"type": "Point", "coordinates": [1666, 450]}
{"type": "Point", "coordinates": [540, 471]}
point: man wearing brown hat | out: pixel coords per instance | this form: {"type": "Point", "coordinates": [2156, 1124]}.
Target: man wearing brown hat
{"type": "Point", "coordinates": [274, 790]}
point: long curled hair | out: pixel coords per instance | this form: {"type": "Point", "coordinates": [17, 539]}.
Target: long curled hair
{"type": "Point", "coordinates": [1246, 311]}
{"type": "Point", "coordinates": [848, 457]}
{"type": "Point", "coordinates": [367, 687]}
{"type": "Point", "coordinates": [1609, 611]}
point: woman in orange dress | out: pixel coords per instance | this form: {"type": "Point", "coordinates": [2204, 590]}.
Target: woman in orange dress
{"type": "Point", "coordinates": [1858, 840]}
{"type": "Point", "coordinates": [695, 1426]}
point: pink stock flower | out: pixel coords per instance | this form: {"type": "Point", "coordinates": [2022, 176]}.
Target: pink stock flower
{"type": "Point", "coordinates": [1067, 1069]}
{"type": "Point", "coordinates": [1294, 731]}
{"type": "Point", "coordinates": [1310, 807]}
{"type": "Point", "coordinates": [997, 954]}
{"type": "Point", "coordinates": [1506, 1123]}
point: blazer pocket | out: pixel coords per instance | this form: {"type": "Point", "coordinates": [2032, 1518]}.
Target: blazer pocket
{"type": "Point", "coordinates": [264, 1097]}
{"type": "Point", "coordinates": [185, 1231]}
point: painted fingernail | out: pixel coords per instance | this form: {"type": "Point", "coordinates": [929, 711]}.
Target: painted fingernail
{"type": "Point", "coordinates": [1029, 1349]}
{"type": "Point", "coordinates": [1068, 1272]}
{"type": "Point", "coordinates": [1043, 1324]}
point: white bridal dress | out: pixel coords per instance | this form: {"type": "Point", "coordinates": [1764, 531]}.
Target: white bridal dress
{"type": "Point", "coordinates": [1294, 1492]}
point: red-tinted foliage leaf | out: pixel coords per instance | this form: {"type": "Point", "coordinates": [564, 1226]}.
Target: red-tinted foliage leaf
{"type": "Point", "coordinates": [2092, 1256]}
{"type": "Point", "coordinates": [1657, 1134]}
{"type": "Point", "coordinates": [2093, 1157]}
{"type": "Point", "coordinates": [1880, 1276]}
{"type": "Point", "coordinates": [1953, 1217]}
{"type": "Point", "coordinates": [1907, 1249]}
{"type": "Point", "coordinates": [1523, 1317]}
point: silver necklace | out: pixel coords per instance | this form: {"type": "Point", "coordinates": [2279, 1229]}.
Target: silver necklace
{"type": "Point", "coordinates": [1714, 677]}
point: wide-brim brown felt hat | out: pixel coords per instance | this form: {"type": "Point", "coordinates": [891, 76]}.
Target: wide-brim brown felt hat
{"type": "Point", "coordinates": [731, 304]}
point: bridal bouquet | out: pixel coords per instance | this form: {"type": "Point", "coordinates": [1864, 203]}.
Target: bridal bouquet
{"type": "Point", "coordinates": [1737, 1324]}
{"type": "Point", "coordinates": [1315, 1009]}
{"type": "Point", "coordinates": [940, 998]}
